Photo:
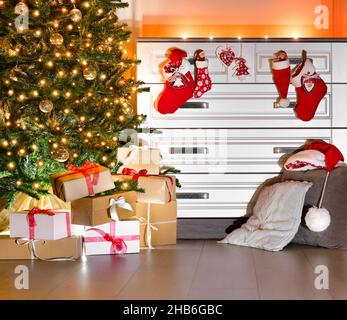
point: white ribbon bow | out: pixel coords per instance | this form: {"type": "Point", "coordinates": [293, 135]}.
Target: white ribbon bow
{"type": "Point", "coordinates": [120, 202]}
{"type": "Point", "coordinates": [148, 231]}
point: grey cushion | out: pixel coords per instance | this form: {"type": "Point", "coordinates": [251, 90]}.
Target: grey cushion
{"type": "Point", "coordinates": [335, 200]}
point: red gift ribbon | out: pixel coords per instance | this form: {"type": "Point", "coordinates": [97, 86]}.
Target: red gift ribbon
{"type": "Point", "coordinates": [135, 175]}
{"type": "Point", "coordinates": [144, 173]}
{"type": "Point", "coordinates": [85, 169]}
{"type": "Point", "coordinates": [117, 243]}
{"type": "Point", "coordinates": [49, 212]}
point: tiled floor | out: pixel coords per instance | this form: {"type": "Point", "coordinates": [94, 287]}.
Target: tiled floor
{"type": "Point", "coordinates": [190, 270]}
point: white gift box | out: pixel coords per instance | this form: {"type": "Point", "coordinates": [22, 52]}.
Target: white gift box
{"type": "Point", "coordinates": [42, 226]}
{"type": "Point", "coordinates": [117, 237]}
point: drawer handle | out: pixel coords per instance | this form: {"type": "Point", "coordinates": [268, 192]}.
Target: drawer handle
{"type": "Point", "coordinates": [295, 60]}
{"type": "Point", "coordinates": [195, 105]}
{"type": "Point", "coordinates": [292, 105]}
{"type": "Point", "coordinates": [187, 150]}
{"type": "Point", "coordinates": [284, 150]}
{"type": "Point", "coordinates": [197, 195]}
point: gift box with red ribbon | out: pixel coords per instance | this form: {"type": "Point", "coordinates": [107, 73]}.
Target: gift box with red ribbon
{"type": "Point", "coordinates": [77, 183]}
{"type": "Point", "coordinates": [121, 237]}
{"type": "Point", "coordinates": [139, 158]}
{"type": "Point", "coordinates": [40, 224]}
{"type": "Point", "coordinates": [159, 189]}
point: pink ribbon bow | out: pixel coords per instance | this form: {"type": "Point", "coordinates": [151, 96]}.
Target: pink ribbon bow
{"type": "Point", "coordinates": [87, 169]}
{"type": "Point", "coordinates": [117, 243]}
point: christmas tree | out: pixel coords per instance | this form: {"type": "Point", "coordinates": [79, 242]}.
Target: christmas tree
{"type": "Point", "coordinates": [65, 89]}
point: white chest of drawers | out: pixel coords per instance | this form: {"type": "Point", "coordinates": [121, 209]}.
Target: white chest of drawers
{"type": "Point", "coordinates": [232, 139]}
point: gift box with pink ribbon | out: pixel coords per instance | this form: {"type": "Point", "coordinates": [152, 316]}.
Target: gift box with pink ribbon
{"type": "Point", "coordinates": [40, 224]}
{"type": "Point", "coordinates": [159, 189]}
{"type": "Point", "coordinates": [80, 182]}
{"type": "Point", "coordinates": [116, 237]}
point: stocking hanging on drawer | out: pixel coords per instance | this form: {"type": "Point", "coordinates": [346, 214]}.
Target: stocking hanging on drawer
{"type": "Point", "coordinates": [281, 76]}
{"type": "Point", "coordinates": [202, 78]}
{"type": "Point", "coordinates": [179, 83]}
{"type": "Point", "coordinates": [310, 89]}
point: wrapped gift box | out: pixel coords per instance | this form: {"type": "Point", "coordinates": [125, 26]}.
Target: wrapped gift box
{"type": "Point", "coordinates": [158, 189]}
{"type": "Point", "coordinates": [119, 237]}
{"type": "Point", "coordinates": [40, 224]}
{"type": "Point", "coordinates": [139, 159]}
{"type": "Point", "coordinates": [94, 211]}
{"type": "Point", "coordinates": [82, 182]}
{"type": "Point", "coordinates": [163, 219]}
{"type": "Point", "coordinates": [12, 249]}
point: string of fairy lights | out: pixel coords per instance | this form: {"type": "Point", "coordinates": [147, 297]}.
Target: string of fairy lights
{"type": "Point", "coordinates": [49, 94]}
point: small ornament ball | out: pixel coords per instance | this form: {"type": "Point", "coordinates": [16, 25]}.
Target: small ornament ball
{"type": "Point", "coordinates": [61, 154]}
{"type": "Point", "coordinates": [76, 15]}
{"type": "Point", "coordinates": [89, 73]}
{"type": "Point", "coordinates": [56, 39]}
{"type": "Point", "coordinates": [46, 106]}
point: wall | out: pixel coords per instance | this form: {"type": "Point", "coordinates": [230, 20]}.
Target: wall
{"type": "Point", "coordinates": [233, 18]}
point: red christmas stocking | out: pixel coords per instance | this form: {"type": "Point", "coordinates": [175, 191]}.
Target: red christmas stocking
{"type": "Point", "coordinates": [203, 79]}
{"type": "Point", "coordinates": [179, 84]}
{"type": "Point", "coordinates": [281, 76]}
{"type": "Point", "coordinates": [310, 89]}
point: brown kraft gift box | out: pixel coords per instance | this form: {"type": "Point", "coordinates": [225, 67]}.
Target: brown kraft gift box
{"type": "Point", "coordinates": [94, 211]}
{"type": "Point", "coordinates": [163, 217]}
{"type": "Point", "coordinates": [71, 185]}
{"type": "Point", "coordinates": [50, 249]}
{"type": "Point", "coordinates": [158, 189]}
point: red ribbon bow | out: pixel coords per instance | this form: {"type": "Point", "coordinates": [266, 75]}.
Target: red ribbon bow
{"type": "Point", "coordinates": [117, 244]}
{"type": "Point", "coordinates": [135, 175]}
{"type": "Point", "coordinates": [87, 169]}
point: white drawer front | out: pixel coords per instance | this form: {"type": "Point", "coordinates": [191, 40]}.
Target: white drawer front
{"type": "Point", "coordinates": [153, 54]}
{"type": "Point", "coordinates": [236, 106]}
{"type": "Point", "coordinates": [230, 150]}
{"type": "Point", "coordinates": [321, 53]}
{"type": "Point", "coordinates": [217, 196]}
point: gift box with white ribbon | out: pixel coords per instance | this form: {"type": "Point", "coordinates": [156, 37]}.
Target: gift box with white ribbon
{"type": "Point", "coordinates": [94, 211]}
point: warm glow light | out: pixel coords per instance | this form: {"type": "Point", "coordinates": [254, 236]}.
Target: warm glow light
{"type": "Point", "coordinates": [36, 185]}
{"type": "Point", "coordinates": [11, 165]}
{"type": "Point", "coordinates": [10, 92]}
{"type": "Point", "coordinates": [184, 36]}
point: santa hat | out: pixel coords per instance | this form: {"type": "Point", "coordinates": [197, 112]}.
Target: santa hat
{"type": "Point", "coordinates": [318, 219]}
{"type": "Point", "coordinates": [176, 54]}
{"type": "Point", "coordinates": [332, 154]}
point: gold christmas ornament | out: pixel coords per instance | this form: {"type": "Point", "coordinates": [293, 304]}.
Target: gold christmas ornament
{"type": "Point", "coordinates": [89, 73]}
{"type": "Point", "coordinates": [56, 39]}
{"type": "Point", "coordinates": [46, 106]}
{"type": "Point", "coordinates": [60, 154]}
{"type": "Point", "coordinates": [75, 15]}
